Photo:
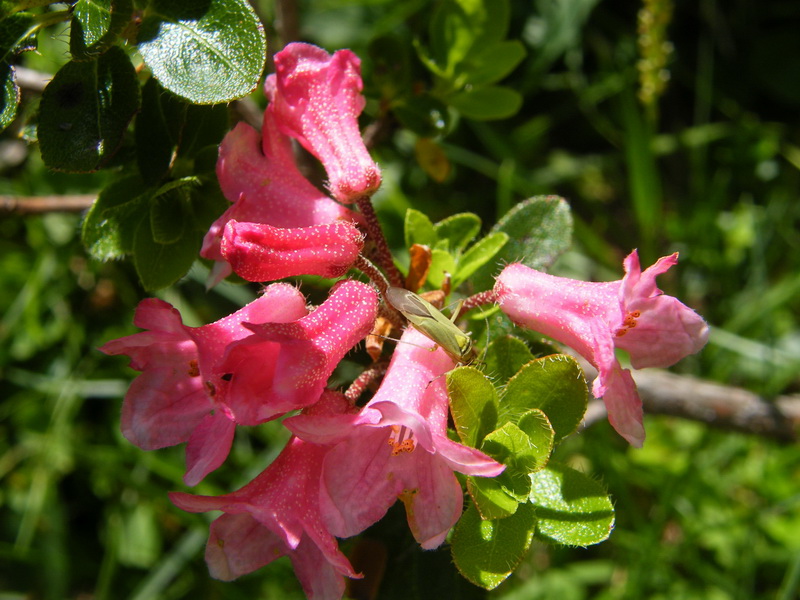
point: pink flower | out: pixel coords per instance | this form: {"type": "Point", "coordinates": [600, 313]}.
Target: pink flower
{"type": "Point", "coordinates": [261, 252]}
{"type": "Point", "coordinates": [396, 447]}
{"type": "Point", "coordinates": [259, 175]}
{"type": "Point", "coordinates": [285, 366]}
{"type": "Point", "coordinates": [277, 514]}
{"type": "Point", "coordinates": [595, 318]}
{"type": "Point", "coordinates": [173, 400]}
{"type": "Point", "coordinates": [316, 98]}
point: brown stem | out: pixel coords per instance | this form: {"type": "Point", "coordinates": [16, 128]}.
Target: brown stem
{"type": "Point", "coordinates": [382, 253]}
{"type": "Point", "coordinates": [31, 205]}
{"type": "Point", "coordinates": [287, 22]}
{"type": "Point", "coordinates": [373, 272]}
{"type": "Point", "coordinates": [720, 406]}
{"type": "Point", "coordinates": [363, 381]}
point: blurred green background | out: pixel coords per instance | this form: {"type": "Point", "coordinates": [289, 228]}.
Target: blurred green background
{"type": "Point", "coordinates": [705, 161]}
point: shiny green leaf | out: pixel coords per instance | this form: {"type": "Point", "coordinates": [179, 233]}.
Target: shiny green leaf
{"type": "Point", "coordinates": [95, 25]}
{"type": "Point", "coordinates": [571, 508]}
{"type": "Point", "coordinates": [207, 51]}
{"type": "Point", "coordinates": [458, 230]}
{"type": "Point", "coordinates": [473, 404]}
{"type": "Point", "coordinates": [505, 356]}
{"type": "Point", "coordinates": [418, 229]}
{"type": "Point", "coordinates": [487, 103]}
{"type": "Point", "coordinates": [554, 384]}
{"type": "Point", "coordinates": [478, 255]}
{"type": "Point", "coordinates": [488, 551]}
{"type": "Point", "coordinates": [110, 225]}
{"type": "Point", "coordinates": [85, 111]}
{"type": "Point", "coordinates": [491, 498]}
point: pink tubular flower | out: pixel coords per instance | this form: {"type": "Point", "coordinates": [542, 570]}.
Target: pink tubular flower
{"type": "Point", "coordinates": [261, 252]}
{"type": "Point", "coordinates": [259, 175]}
{"type": "Point", "coordinates": [594, 318]}
{"type": "Point", "coordinates": [316, 98]}
{"type": "Point", "coordinates": [396, 447]}
{"type": "Point", "coordinates": [284, 366]}
{"type": "Point", "coordinates": [274, 515]}
{"type": "Point", "coordinates": [173, 400]}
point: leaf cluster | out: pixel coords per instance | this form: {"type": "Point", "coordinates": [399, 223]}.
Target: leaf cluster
{"type": "Point", "coordinates": [453, 69]}
{"type": "Point", "coordinates": [156, 128]}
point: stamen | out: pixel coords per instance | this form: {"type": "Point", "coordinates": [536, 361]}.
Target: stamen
{"type": "Point", "coordinates": [401, 440]}
{"type": "Point", "coordinates": [629, 322]}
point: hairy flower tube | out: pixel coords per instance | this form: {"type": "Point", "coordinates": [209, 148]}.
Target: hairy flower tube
{"type": "Point", "coordinates": [595, 318]}
{"type": "Point", "coordinates": [396, 447]}
{"type": "Point", "coordinates": [259, 252]}
{"type": "Point", "coordinates": [316, 98]}
{"type": "Point", "coordinates": [259, 175]}
{"type": "Point", "coordinates": [285, 366]}
{"type": "Point", "coordinates": [174, 398]}
{"type": "Point", "coordinates": [277, 514]}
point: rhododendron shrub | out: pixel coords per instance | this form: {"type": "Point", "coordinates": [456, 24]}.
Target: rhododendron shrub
{"type": "Point", "coordinates": [465, 447]}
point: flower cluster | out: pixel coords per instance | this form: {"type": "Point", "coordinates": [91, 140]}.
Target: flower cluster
{"type": "Point", "coordinates": [344, 465]}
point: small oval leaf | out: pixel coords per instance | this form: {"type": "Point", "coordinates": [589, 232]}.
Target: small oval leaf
{"type": "Point", "coordinates": [486, 552]}
{"type": "Point", "coordinates": [571, 508]}
{"type": "Point", "coordinates": [85, 111]}
{"type": "Point", "coordinates": [207, 51]}
{"type": "Point", "coordinates": [553, 384]}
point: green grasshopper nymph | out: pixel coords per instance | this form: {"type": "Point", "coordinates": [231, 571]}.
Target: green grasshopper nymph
{"type": "Point", "coordinates": [429, 321]}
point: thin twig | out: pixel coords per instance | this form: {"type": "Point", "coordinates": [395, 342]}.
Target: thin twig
{"type": "Point", "coordinates": [717, 405]}
{"type": "Point", "coordinates": [287, 22]}
{"type": "Point", "coordinates": [31, 205]}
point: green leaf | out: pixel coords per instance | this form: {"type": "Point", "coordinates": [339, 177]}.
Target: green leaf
{"type": "Point", "coordinates": [571, 508]}
{"type": "Point", "coordinates": [110, 225]}
{"type": "Point", "coordinates": [486, 552]}
{"type": "Point", "coordinates": [207, 51]}
{"type": "Point", "coordinates": [487, 103]}
{"type": "Point", "coordinates": [159, 126]}
{"type": "Point", "coordinates": [554, 384]}
{"type": "Point", "coordinates": [540, 432]}
{"type": "Point", "coordinates": [7, 7]}
{"type": "Point", "coordinates": [493, 63]}
{"type": "Point", "coordinates": [16, 35]}
{"type": "Point", "coordinates": [138, 544]}
{"type": "Point", "coordinates": [418, 229]}
{"type": "Point", "coordinates": [160, 265]}
{"type": "Point", "coordinates": [478, 255]}
{"type": "Point", "coordinates": [10, 96]}
{"type": "Point", "coordinates": [473, 404]}
{"type": "Point", "coordinates": [490, 497]}
{"type": "Point", "coordinates": [512, 447]}
{"type": "Point", "coordinates": [170, 216]}
{"type": "Point", "coordinates": [423, 114]}
{"type": "Point", "coordinates": [459, 230]}
{"type": "Point", "coordinates": [85, 110]}
{"type": "Point", "coordinates": [459, 27]}
{"type": "Point", "coordinates": [451, 37]}
{"type": "Point", "coordinates": [442, 263]}
{"type": "Point", "coordinates": [95, 25]}
{"type": "Point", "coordinates": [207, 203]}
{"type": "Point", "coordinates": [391, 65]}
{"type": "Point", "coordinates": [539, 228]}
{"type": "Point", "coordinates": [205, 126]}
{"type": "Point", "coordinates": [505, 356]}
